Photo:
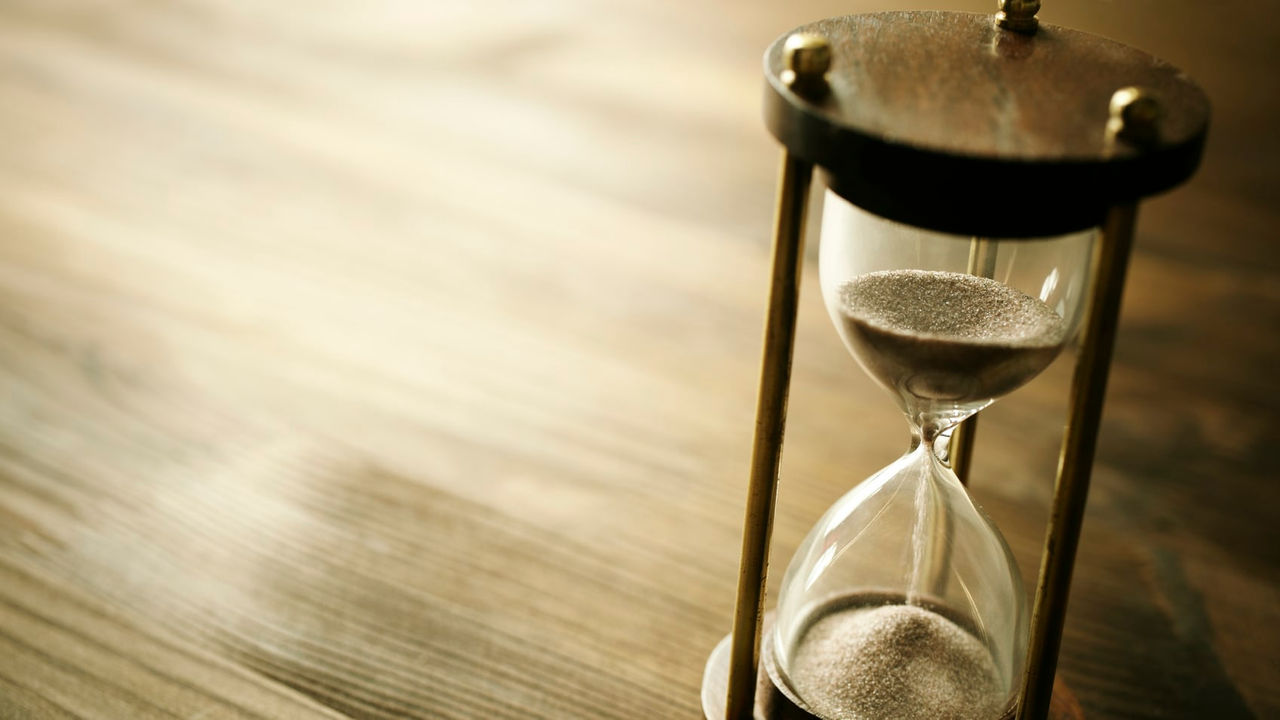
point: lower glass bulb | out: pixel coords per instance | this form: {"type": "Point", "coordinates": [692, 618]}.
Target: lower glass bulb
{"type": "Point", "coordinates": [904, 602]}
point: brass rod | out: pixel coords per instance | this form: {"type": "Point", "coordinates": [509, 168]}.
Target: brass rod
{"type": "Point", "coordinates": [982, 257]}
{"type": "Point", "coordinates": [1088, 389]}
{"type": "Point", "coordinates": [982, 262]}
{"type": "Point", "coordinates": [961, 448]}
{"type": "Point", "coordinates": [794, 177]}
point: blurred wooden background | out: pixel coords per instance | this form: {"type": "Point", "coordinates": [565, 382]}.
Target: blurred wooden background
{"type": "Point", "coordinates": [397, 359]}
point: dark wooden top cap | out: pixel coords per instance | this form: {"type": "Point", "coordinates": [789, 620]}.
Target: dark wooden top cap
{"type": "Point", "coordinates": [944, 121]}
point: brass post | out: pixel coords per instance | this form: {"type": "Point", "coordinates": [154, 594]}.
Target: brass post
{"type": "Point", "coordinates": [806, 59]}
{"type": "Point", "coordinates": [982, 262]}
{"type": "Point", "coordinates": [1134, 118]}
{"type": "Point", "coordinates": [794, 178]}
{"type": "Point", "coordinates": [1089, 386]}
{"type": "Point", "coordinates": [960, 448]}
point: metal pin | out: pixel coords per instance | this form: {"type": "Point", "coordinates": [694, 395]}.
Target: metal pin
{"type": "Point", "coordinates": [1018, 16]}
{"type": "Point", "coordinates": [1135, 117]}
{"type": "Point", "coordinates": [806, 58]}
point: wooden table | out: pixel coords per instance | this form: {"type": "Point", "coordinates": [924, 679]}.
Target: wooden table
{"type": "Point", "coordinates": [397, 359]}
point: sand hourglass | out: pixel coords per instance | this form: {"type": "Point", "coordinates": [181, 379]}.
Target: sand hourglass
{"type": "Point", "coordinates": [982, 176]}
{"type": "Point", "coordinates": [904, 600]}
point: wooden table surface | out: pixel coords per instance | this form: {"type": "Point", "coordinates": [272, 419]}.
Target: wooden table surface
{"type": "Point", "coordinates": [398, 359]}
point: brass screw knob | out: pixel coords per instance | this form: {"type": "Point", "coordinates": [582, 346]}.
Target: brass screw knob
{"type": "Point", "coordinates": [1018, 15]}
{"type": "Point", "coordinates": [1135, 117]}
{"type": "Point", "coordinates": [806, 58]}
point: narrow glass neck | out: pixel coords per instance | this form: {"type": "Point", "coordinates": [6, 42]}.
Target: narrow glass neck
{"type": "Point", "coordinates": [929, 420]}
{"type": "Point", "coordinates": [928, 428]}
{"type": "Point", "coordinates": [930, 444]}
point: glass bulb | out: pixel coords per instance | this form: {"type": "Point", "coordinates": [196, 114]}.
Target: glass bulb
{"type": "Point", "coordinates": [948, 323]}
{"type": "Point", "coordinates": [904, 600]}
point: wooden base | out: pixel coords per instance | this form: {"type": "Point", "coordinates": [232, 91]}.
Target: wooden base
{"type": "Point", "coordinates": [775, 702]}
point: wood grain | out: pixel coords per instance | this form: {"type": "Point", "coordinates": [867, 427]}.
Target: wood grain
{"type": "Point", "coordinates": [397, 359]}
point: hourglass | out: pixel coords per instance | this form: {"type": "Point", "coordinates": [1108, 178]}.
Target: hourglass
{"type": "Point", "coordinates": [904, 583]}
{"type": "Point", "coordinates": [982, 176]}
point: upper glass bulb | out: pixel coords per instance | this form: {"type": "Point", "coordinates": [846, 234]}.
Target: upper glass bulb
{"type": "Point", "coordinates": [948, 323]}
